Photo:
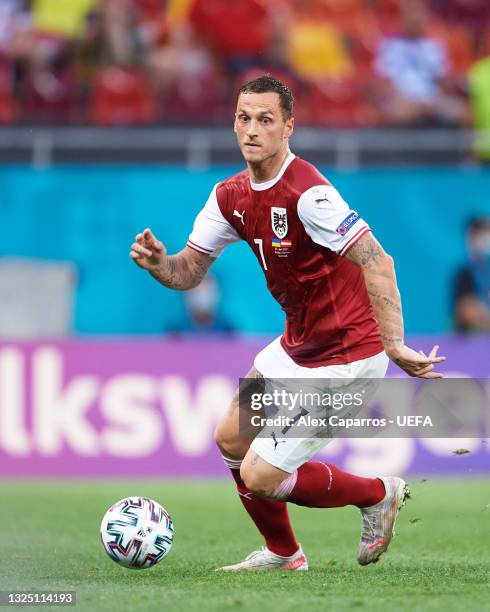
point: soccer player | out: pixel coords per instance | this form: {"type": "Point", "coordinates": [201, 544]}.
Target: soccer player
{"type": "Point", "coordinates": [338, 289]}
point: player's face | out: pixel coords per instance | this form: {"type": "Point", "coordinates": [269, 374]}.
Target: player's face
{"type": "Point", "coordinates": [261, 129]}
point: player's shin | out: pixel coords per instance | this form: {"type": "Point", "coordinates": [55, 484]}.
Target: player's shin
{"type": "Point", "coordinates": [270, 516]}
{"type": "Point", "coordinates": [322, 485]}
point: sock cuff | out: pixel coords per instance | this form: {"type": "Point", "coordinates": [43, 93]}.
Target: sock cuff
{"type": "Point", "coordinates": [286, 487]}
{"type": "Point", "coordinates": [233, 464]}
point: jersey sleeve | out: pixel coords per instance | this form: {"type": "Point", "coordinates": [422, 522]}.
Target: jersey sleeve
{"type": "Point", "coordinates": [211, 231]}
{"type": "Point", "coordinates": [328, 220]}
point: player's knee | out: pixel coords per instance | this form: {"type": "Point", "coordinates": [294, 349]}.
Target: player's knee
{"type": "Point", "coordinates": [251, 480]}
{"type": "Point", "coordinates": [230, 445]}
{"type": "Point", "coordinates": [257, 483]}
{"type": "Point", "coordinates": [222, 439]}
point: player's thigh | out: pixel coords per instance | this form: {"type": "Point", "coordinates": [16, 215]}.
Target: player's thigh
{"type": "Point", "coordinates": [232, 439]}
{"type": "Point", "coordinates": [286, 454]}
{"type": "Point", "coordinates": [288, 448]}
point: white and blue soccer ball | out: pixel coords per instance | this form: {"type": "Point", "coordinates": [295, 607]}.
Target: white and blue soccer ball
{"type": "Point", "coordinates": [137, 532]}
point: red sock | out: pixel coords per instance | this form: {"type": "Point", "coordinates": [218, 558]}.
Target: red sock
{"type": "Point", "coordinates": [271, 518]}
{"type": "Point", "coordinates": [319, 485]}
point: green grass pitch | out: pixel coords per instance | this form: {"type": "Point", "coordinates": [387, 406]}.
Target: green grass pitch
{"type": "Point", "coordinates": [439, 559]}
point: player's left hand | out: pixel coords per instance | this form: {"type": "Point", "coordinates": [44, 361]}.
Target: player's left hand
{"type": "Point", "coordinates": [417, 363]}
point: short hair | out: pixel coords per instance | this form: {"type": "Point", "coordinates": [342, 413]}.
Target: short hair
{"type": "Point", "coordinates": [267, 83]}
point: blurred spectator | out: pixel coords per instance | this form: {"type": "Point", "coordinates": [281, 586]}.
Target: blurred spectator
{"type": "Point", "coordinates": [61, 18]}
{"type": "Point", "coordinates": [202, 309]}
{"type": "Point", "coordinates": [472, 284]}
{"type": "Point", "coordinates": [239, 32]}
{"type": "Point", "coordinates": [14, 18]}
{"type": "Point", "coordinates": [415, 68]}
{"type": "Point", "coordinates": [47, 87]}
{"type": "Point", "coordinates": [187, 76]}
{"type": "Point", "coordinates": [479, 88]}
{"type": "Point", "coordinates": [189, 56]}
{"type": "Point", "coordinates": [127, 33]}
{"type": "Point", "coordinates": [14, 21]}
{"type": "Point", "coordinates": [113, 36]}
{"type": "Point", "coordinates": [316, 46]}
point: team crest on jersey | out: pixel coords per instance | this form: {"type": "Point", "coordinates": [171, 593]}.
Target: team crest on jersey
{"type": "Point", "coordinates": [279, 221]}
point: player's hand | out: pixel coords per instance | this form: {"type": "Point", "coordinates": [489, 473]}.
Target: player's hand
{"type": "Point", "coordinates": [148, 252]}
{"type": "Point", "coordinates": [417, 364]}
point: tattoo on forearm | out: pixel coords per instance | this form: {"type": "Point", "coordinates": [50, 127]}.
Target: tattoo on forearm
{"type": "Point", "coordinates": [200, 268]}
{"type": "Point", "coordinates": [391, 340]}
{"type": "Point", "coordinates": [385, 300]}
{"type": "Point", "coordinates": [180, 273]}
{"type": "Point", "coordinates": [391, 303]}
{"type": "Point", "coordinates": [379, 275]}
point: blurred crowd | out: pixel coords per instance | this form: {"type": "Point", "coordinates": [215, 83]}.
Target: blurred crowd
{"type": "Point", "coordinates": [351, 63]}
{"type": "Point", "coordinates": [472, 281]}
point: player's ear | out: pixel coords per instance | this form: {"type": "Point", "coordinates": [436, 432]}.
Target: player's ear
{"type": "Point", "coordinates": [288, 128]}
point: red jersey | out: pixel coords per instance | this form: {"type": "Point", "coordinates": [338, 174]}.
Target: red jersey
{"type": "Point", "coordinates": [299, 228]}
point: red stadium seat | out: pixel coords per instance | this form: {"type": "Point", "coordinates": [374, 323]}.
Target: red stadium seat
{"type": "Point", "coordinates": [49, 98]}
{"type": "Point", "coordinates": [8, 110]}
{"type": "Point", "coordinates": [341, 103]}
{"type": "Point", "coordinates": [338, 103]}
{"type": "Point", "coordinates": [343, 12]}
{"type": "Point", "coordinates": [199, 100]}
{"type": "Point", "coordinates": [121, 96]}
{"type": "Point", "coordinates": [388, 13]}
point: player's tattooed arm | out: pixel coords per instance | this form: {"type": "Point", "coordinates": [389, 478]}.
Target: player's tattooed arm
{"type": "Point", "coordinates": [379, 274]}
{"type": "Point", "coordinates": [182, 271]}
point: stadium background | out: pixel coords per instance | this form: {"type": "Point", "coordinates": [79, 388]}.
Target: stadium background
{"type": "Point", "coordinates": [116, 115]}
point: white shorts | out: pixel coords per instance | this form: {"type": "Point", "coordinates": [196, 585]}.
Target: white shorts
{"type": "Point", "coordinates": [288, 454]}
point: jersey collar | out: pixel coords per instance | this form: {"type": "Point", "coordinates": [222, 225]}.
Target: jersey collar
{"type": "Point", "coordinates": [277, 178]}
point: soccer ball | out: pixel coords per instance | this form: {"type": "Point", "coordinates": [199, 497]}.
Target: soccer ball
{"type": "Point", "coordinates": [137, 532]}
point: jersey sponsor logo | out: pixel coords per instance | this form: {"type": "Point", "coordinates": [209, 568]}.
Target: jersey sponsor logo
{"type": "Point", "coordinates": [347, 223]}
{"type": "Point", "coordinates": [279, 221]}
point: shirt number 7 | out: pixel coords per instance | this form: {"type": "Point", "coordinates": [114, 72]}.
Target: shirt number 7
{"type": "Point", "coordinates": [260, 242]}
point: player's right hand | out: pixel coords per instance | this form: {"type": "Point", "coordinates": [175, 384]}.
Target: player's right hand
{"type": "Point", "coordinates": [147, 252]}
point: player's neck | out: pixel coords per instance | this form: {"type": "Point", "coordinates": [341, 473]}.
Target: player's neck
{"type": "Point", "coordinates": [269, 168]}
